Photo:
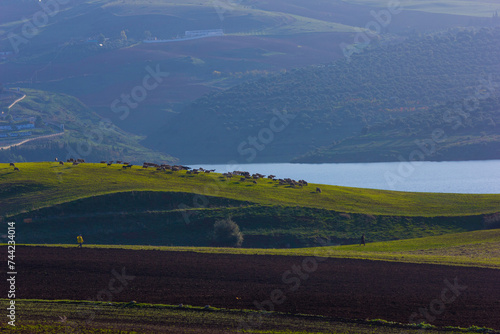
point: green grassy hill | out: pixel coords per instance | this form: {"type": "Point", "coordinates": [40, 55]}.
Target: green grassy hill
{"type": "Point", "coordinates": [144, 206]}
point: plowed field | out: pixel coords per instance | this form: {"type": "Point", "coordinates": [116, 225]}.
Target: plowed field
{"type": "Point", "coordinates": [344, 288]}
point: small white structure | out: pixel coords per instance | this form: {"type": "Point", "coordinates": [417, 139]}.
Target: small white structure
{"type": "Point", "coordinates": [188, 35]}
{"type": "Point", "coordinates": [204, 33]}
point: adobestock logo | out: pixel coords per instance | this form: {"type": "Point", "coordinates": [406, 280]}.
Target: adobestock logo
{"type": "Point", "coordinates": [31, 27]}
{"type": "Point", "coordinates": [139, 93]}
{"type": "Point", "coordinates": [372, 29]}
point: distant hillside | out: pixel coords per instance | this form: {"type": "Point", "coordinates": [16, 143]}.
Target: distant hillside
{"type": "Point", "coordinates": [329, 103]}
{"type": "Point", "coordinates": [83, 134]}
{"type": "Point", "coordinates": [93, 50]}
{"type": "Point", "coordinates": [448, 132]}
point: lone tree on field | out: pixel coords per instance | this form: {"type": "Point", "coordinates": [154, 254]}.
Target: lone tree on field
{"type": "Point", "coordinates": [227, 233]}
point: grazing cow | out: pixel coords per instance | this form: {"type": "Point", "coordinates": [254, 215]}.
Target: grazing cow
{"type": "Point", "coordinates": [125, 163]}
{"type": "Point", "coordinates": [119, 162]}
{"type": "Point", "coordinates": [242, 179]}
{"type": "Point", "coordinates": [254, 181]}
{"type": "Point", "coordinates": [75, 163]}
{"type": "Point", "coordinates": [318, 190]}
{"type": "Point", "coordinates": [12, 164]}
{"type": "Point", "coordinates": [61, 163]}
{"type": "Point", "coordinates": [15, 168]}
{"type": "Point", "coordinates": [128, 166]}
{"type": "Point", "coordinates": [110, 163]}
{"type": "Point", "coordinates": [103, 162]}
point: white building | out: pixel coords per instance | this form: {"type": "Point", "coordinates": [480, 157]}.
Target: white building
{"type": "Point", "coordinates": [204, 33]}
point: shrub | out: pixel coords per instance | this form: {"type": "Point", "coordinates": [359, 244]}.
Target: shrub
{"type": "Point", "coordinates": [227, 233]}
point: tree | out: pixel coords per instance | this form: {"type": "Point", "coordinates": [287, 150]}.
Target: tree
{"type": "Point", "coordinates": [123, 35]}
{"type": "Point", "coordinates": [101, 38]}
{"type": "Point", "coordinates": [227, 233]}
{"type": "Point", "coordinates": [38, 121]}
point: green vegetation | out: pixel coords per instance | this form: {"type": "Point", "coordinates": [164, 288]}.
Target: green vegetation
{"type": "Point", "coordinates": [113, 205]}
{"type": "Point", "coordinates": [66, 316]}
{"type": "Point", "coordinates": [470, 249]}
{"type": "Point", "coordinates": [227, 233]}
{"type": "Point", "coordinates": [482, 8]}
{"type": "Point", "coordinates": [48, 183]}
{"type": "Point", "coordinates": [395, 77]}
{"type": "Point", "coordinates": [446, 132]}
{"type": "Point", "coordinates": [86, 135]}
{"type": "Point", "coordinates": [399, 82]}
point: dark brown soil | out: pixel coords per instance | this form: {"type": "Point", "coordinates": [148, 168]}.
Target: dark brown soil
{"type": "Point", "coordinates": [354, 289]}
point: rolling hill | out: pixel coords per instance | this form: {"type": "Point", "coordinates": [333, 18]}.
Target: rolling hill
{"type": "Point", "coordinates": [77, 132]}
{"type": "Point", "coordinates": [287, 115]}
{"type": "Point", "coordinates": [116, 205]}
{"type": "Point", "coordinates": [441, 133]}
{"type": "Point", "coordinates": [261, 38]}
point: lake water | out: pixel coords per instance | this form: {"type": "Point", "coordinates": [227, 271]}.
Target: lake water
{"type": "Point", "coordinates": [471, 177]}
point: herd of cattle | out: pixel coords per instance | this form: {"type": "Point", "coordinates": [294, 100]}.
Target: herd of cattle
{"type": "Point", "coordinates": [254, 177]}
{"type": "Point", "coordinates": [244, 176]}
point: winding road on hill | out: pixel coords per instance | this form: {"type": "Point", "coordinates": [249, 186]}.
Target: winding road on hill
{"type": "Point", "coordinates": [29, 139]}
{"type": "Point", "coordinates": [16, 101]}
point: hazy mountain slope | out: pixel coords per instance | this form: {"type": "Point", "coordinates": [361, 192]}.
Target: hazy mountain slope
{"type": "Point", "coordinates": [449, 132]}
{"type": "Point", "coordinates": [86, 135]}
{"type": "Point", "coordinates": [262, 37]}
{"type": "Point", "coordinates": [329, 103]}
